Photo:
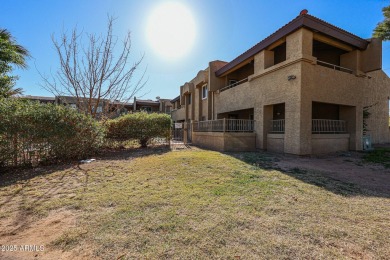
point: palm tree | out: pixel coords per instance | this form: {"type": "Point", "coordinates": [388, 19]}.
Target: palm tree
{"type": "Point", "coordinates": [11, 53]}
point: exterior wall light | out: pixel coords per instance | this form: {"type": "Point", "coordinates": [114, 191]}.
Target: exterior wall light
{"type": "Point", "coordinates": [291, 77]}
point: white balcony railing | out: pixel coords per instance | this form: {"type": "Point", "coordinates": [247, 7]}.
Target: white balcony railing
{"type": "Point", "coordinates": [335, 67]}
{"type": "Point", "coordinates": [319, 126]}
{"type": "Point", "coordinates": [277, 126]}
{"type": "Point", "coordinates": [326, 126]}
{"type": "Point", "coordinates": [224, 125]}
{"type": "Point", "coordinates": [234, 84]}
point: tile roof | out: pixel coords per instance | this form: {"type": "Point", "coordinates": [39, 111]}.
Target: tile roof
{"type": "Point", "coordinates": [38, 98]}
{"type": "Point", "coordinates": [303, 20]}
{"type": "Point", "coordinates": [175, 99]}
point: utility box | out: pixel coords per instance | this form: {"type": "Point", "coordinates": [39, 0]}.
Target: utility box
{"type": "Point", "coordinates": [367, 143]}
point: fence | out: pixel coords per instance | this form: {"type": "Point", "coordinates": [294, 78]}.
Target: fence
{"type": "Point", "coordinates": [335, 67]}
{"type": "Point", "coordinates": [319, 126]}
{"type": "Point", "coordinates": [224, 125]}
{"type": "Point", "coordinates": [277, 126]}
{"type": "Point", "coordinates": [234, 84]}
{"type": "Point", "coordinates": [327, 126]}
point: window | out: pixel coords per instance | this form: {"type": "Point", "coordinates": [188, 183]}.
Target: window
{"type": "Point", "coordinates": [204, 92]}
{"type": "Point", "coordinates": [73, 106]}
{"type": "Point", "coordinates": [189, 99]}
{"type": "Point", "coordinates": [279, 53]}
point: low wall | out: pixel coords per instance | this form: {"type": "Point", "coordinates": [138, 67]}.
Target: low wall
{"type": "Point", "coordinates": [225, 142]}
{"type": "Point", "coordinates": [275, 143]}
{"type": "Point", "coordinates": [329, 143]}
{"type": "Point", "coordinates": [178, 114]}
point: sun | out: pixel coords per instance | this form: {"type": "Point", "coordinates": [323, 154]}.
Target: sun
{"type": "Point", "coordinates": [171, 30]}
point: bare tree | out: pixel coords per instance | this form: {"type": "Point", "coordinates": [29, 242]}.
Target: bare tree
{"type": "Point", "coordinates": [92, 74]}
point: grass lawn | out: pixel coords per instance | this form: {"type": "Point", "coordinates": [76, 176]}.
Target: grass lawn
{"type": "Point", "coordinates": [197, 204]}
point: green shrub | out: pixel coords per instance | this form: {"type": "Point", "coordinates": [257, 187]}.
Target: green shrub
{"type": "Point", "coordinates": [139, 126]}
{"type": "Point", "coordinates": [30, 131]}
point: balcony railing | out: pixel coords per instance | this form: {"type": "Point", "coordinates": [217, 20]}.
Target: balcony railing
{"type": "Point", "coordinates": [319, 126]}
{"type": "Point", "coordinates": [234, 84]}
{"type": "Point", "coordinates": [326, 126]}
{"type": "Point", "coordinates": [335, 67]}
{"type": "Point", "coordinates": [224, 125]}
{"type": "Point", "coordinates": [277, 126]}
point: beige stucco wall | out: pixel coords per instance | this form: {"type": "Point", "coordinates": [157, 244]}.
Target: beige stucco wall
{"type": "Point", "coordinates": [323, 144]}
{"type": "Point", "coordinates": [269, 85]}
{"type": "Point", "coordinates": [322, 84]}
{"type": "Point", "coordinates": [377, 93]}
{"type": "Point", "coordinates": [179, 114]}
{"type": "Point", "coordinates": [197, 104]}
{"type": "Point", "coordinates": [275, 143]}
{"type": "Point", "coordinates": [226, 142]}
{"type": "Point", "coordinates": [215, 83]}
{"type": "Point", "coordinates": [205, 108]}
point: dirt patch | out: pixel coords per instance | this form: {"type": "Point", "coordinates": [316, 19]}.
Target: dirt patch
{"type": "Point", "coordinates": [36, 235]}
{"type": "Point", "coordinates": [347, 167]}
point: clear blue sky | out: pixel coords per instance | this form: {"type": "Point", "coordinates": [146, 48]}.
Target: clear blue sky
{"type": "Point", "coordinates": [225, 29]}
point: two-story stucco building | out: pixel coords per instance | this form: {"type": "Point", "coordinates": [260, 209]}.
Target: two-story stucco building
{"type": "Point", "coordinates": [302, 90]}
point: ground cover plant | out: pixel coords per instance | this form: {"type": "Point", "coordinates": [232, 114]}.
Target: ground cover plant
{"type": "Point", "coordinates": [379, 155]}
{"type": "Point", "coordinates": [191, 204]}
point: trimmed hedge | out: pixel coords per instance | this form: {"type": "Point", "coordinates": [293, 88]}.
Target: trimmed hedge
{"type": "Point", "coordinates": [139, 126]}
{"type": "Point", "coordinates": [31, 132]}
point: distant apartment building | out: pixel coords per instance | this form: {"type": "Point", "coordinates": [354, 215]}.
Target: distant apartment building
{"type": "Point", "coordinates": [116, 107]}
{"type": "Point", "coordinates": [302, 90]}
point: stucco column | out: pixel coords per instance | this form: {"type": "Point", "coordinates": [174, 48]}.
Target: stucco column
{"type": "Point", "coordinates": [263, 60]}
{"type": "Point", "coordinates": [297, 136]}
{"type": "Point", "coordinates": [299, 45]}
{"type": "Point", "coordinates": [354, 118]}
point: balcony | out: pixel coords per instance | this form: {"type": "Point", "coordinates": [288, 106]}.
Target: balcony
{"type": "Point", "coordinates": [179, 114]}
{"type": "Point", "coordinates": [235, 84]}
{"type": "Point", "coordinates": [319, 126]}
{"type": "Point", "coordinates": [334, 67]}
{"type": "Point", "coordinates": [326, 126]}
{"type": "Point", "coordinates": [277, 126]}
{"type": "Point", "coordinates": [224, 125]}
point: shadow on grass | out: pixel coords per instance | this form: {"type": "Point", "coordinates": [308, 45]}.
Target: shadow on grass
{"type": "Point", "coordinates": [131, 153]}
{"type": "Point", "coordinates": [12, 176]}
{"type": "Point", "coordinates": [59, 180]}
{"type": "Point", "coordinates": [267, 162]}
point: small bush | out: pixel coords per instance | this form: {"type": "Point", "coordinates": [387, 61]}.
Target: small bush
{"type": "Point", "coordinates": [30, 131]}
{"type": "Point", "coordinates": [139, 126]}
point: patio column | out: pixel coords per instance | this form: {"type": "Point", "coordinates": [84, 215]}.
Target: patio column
{"type": "Point", "coordinates": [297, 138]}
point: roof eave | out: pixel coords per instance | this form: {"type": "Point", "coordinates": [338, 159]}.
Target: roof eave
{"type": "Point", "coordinates": [306, 21]}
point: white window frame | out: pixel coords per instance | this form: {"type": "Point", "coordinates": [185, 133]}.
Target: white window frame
{"type": "Point", "coordinates": [73, 106]}
{"type": "Point", "coordinates": [205, 92]}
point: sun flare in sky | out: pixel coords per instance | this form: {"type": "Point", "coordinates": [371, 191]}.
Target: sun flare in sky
{"type": "Point", "coordinates": [171, 30]}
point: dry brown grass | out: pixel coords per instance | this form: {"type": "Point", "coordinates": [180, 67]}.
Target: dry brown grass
{"type": "Point", "coordinates": [198, 204]}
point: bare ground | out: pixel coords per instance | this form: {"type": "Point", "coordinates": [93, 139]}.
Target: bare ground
{"type": "Point", "coordinates": [347, 167]}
